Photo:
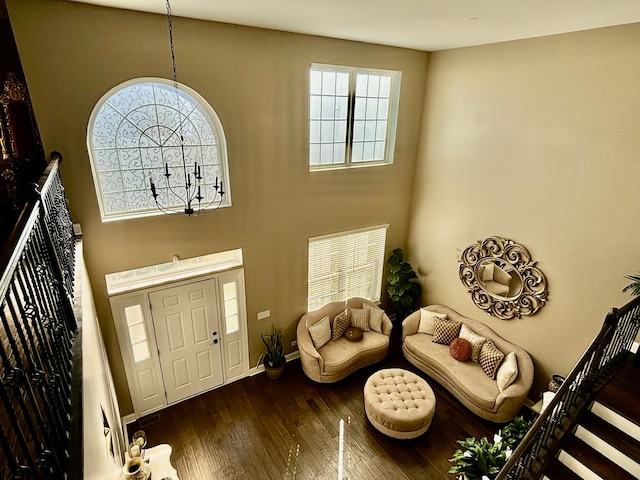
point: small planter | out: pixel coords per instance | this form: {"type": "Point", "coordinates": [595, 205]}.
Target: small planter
{"type": "Point", "coordinates": [555, 383]}
{"type": "Point", "coordinates": [274, 373]}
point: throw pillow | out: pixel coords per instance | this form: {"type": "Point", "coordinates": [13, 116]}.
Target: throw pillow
{"type": "Point", "coordinates": [460, 349]}
{"type": "Point", "coordinates": [508, 371]}
{"type": "Point", "coordinates": [360, 318]}
{"type": "Point", "coordinates": [445, 331]}
{"type": "Point", "coordinates": [547, 397]}
{"type": "Point", "coordinates": [501, 276]}
{"type": "Point", "coordinates": [427, 320]}
{"type": "Point", "coordinates": [375, 318]}
{"type": "Point", "coordinates": [490, 359]}
{"type": "Point", "coordinates": [474, 339]}
{"type": "Point", "coordinates": [340, 325]}
{"type": "Point", "coordinates": [320, 332]}
{"type": "Point", "coordinates": [487, 272]}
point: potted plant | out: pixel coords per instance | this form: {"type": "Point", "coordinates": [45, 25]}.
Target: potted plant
{"type": "Point", "coordinates": [478, 459]}
{"type": "Point", "coordinates": [402, 285]}
{"type": "Point", "coordinates": [512, 434]}
{"type": "Point", "coordinates": [482, 459]}
{"type": "Point", "coordinates": [273, 355]}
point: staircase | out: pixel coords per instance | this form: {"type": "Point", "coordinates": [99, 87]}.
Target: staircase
{"type": "Point", "coordinates": [606, 442]}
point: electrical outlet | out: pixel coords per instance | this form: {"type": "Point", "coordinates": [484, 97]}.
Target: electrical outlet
{"type": "Point", "coordinates": [294, 343]}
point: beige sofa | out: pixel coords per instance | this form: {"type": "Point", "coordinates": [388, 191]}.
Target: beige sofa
{"type": "Point", "coordinates": [466, 380]}
{"type": "Point", "coordinates": [337, 359]}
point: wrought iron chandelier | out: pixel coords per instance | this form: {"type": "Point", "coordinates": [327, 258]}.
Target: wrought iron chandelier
{"type": "Point", "coordinates": [191, 194]}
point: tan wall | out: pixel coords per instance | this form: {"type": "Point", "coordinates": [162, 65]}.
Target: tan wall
{"type": "Point", "coordinates": [537, 141]}
{"type": "Point", "coordinates": [256, 80]}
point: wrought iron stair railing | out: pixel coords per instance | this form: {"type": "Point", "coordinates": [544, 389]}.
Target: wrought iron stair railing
{"type": "Point", "coordinates": [605, 356]}
{"type": "Point", "coordinates": [37, 329]}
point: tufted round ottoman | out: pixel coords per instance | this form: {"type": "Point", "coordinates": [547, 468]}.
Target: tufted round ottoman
{"type": "Point", "coordinates": [399, 403]}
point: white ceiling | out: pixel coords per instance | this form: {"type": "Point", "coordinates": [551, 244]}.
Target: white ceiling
{"type": "Point", "coordinates": [421, 24]}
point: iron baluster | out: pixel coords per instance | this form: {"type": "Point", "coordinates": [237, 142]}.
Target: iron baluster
{"type": "Point", "coordinates": [52, 254]}
{"type": "Point", "coordinates": [28, 369]}
{"type": "Point", "coordinates": [35, 373]}
{"type": "Point", "coordinates": [9, 378]}
{"type": "Point", "coordinates": [56, 351]}
{"type": "Point", "coordinates": [12, 461]}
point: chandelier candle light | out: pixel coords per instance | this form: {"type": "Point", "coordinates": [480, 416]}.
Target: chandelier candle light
{"type": "Point", "coordinates": [192, 189]}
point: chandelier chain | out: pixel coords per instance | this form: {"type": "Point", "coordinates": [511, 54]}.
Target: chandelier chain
{"type": "Point", "coordinates": [175, 86]}
{"type": "Point", "coordinates": [173, 53]}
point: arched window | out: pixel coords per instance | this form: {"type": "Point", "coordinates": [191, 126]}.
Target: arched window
{"type": "Point", "coordinates": [134, 139]}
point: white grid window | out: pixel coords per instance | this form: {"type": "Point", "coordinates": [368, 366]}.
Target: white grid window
{"type": "Point", "coordinates": [231, 307]}
{"type": "Point", "coordinates": [135, 128]}
{"type": "Point", "coordinates": [345, 265]}
{"type": "Point", "coordinates": [137, 333]}
{"type": "Point", "coordinates": [352, 116]}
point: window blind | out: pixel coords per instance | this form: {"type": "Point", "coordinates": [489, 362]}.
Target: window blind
{"type": "Point", "coordinates": [345, 265]}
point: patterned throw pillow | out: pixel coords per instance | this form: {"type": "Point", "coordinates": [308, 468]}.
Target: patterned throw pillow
{"type": "Point", "coordinates": [445, 331]}
{"type": "Point", "coordinates": [340, 324]}
{"type": "Point", "coordinates": [474, 339]}
{"type": "Point", "coordinates": [427, 321]}
{"type": "Point", "coordinates": [490, 359]}
{"type": "Point", "coordinates": [375, 318]}
{"type": "Point", "coordinates": [360, 319]}
{"type": "Point", "coordinates": [508, 371]}
{"type": "Point", "coordinates": [460, 349]}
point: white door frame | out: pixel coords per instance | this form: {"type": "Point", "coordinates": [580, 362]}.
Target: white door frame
{"type": "Point", "coordinates": [146, 386]}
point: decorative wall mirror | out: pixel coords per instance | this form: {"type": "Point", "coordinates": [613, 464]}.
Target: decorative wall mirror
{"type": "Point", "coordinates": [502, 279]}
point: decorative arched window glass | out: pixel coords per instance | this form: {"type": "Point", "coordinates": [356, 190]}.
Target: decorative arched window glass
{"type": "Point", "coordinates": [137, 134]}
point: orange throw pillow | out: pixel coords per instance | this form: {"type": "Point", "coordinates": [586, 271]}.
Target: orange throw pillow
{"type": "Point", "coordinates": [461, 349]}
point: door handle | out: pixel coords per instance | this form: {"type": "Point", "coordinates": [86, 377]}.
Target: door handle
{"type": "Point", "coordinates": [215, 341]}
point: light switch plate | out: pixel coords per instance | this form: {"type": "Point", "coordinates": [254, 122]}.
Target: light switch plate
{"type": "Point", "coordinates": [264, 314]}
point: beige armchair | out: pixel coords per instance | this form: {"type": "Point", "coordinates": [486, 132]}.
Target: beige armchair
{"type": "Point", "coordinates": [337, 359]}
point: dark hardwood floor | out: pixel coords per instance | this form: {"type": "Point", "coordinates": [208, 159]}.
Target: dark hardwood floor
{"type": "Point", "coordinates": [258, 428]}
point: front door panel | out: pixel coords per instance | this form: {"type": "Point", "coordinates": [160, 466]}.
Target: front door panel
{"type": "Point", "coordinates": [187, 331]}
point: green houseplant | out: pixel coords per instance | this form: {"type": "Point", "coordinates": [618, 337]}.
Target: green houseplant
{"type": "Point", "coordinates": [273, 355]}
{"type": "Point", "coordinates": [634, 286]}
{"type": "Point", "coordinates": [482, 459]}
{"type": "Point", "coordinates": [513, 433]}
{"type": "Point", "coordinates": [478, 459]}
{"type": "Point", "coordinates": [402, 285]}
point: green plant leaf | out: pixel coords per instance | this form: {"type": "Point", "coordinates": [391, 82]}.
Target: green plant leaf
{"type": "Point", "coordinates": [273, 355]}
{"type": "Point", "coordinates": [634, 286]}
{"type": "Point", "coordinates": [402, 287]}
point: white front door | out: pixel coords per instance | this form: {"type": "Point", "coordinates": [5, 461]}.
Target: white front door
{"type": "Point", "coordinates": [187, 331]}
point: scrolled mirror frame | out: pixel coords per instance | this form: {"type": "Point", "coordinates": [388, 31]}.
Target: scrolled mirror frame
{"type": "Point", "coordinates": [533, 294]}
